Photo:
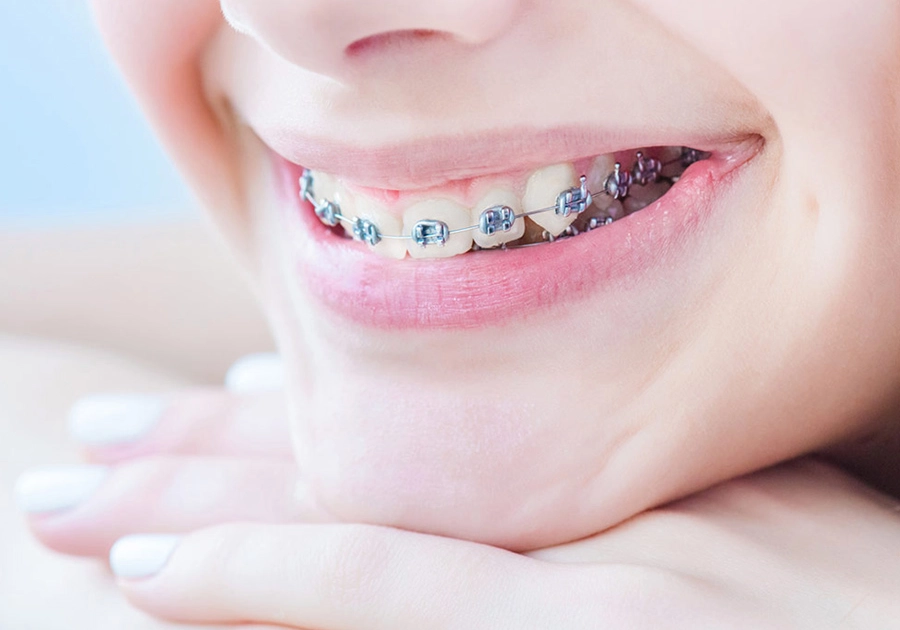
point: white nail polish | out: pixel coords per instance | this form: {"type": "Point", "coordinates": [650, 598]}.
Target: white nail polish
{"type": "Point", "coordinates": [141, 555]}
{"type": "Point", "coordinates": [256, 373]}
{"type": "Point", "coordinates": [46, 490]}
{"type": "Point", "coordinates": [106, 420]}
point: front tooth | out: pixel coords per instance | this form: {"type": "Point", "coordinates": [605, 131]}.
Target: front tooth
{"type": "Point", "coordinates": [451, 214]}
{"type": "Point", "coordinates": [542, 190]}
{"type": "Point", "coordinates": [493, 199]}
{"type": "Point", "coordinates": [363, 208]}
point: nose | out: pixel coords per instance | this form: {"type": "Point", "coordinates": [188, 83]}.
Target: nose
{"type": "Point", "coordinates": [324, 35]}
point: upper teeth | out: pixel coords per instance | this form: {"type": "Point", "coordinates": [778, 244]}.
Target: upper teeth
{"type": "Point", "coordinates": [431, 222]}
{"type": "Point", "coordinates": [501, 221]}
{"type": "Point", "coordinates": [554, 198]}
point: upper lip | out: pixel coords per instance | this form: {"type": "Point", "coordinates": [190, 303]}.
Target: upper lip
{"type": "Point", "coordinates": [425, 163]}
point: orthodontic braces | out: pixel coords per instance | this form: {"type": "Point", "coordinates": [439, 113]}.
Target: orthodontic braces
{"type": "Point", "coordinates": [431, 233]}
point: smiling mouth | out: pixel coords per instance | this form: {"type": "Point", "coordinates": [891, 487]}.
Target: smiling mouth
{"type": "Point", "coordinates": [551, 204]}
{"type": "Point", "coordinates": [502, 250]}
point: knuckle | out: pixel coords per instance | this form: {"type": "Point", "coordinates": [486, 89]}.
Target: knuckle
{"type": "Point", "coordinates": [351, 567]}
{"type": "Point", "coordinates": [229, 550]}
{"type": "Point", "coordinates": [353, 564]}
{"type": "Point", "coordinates": [217, 560]}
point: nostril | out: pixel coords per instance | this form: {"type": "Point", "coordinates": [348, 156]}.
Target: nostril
{"type": "Point", "coordinates": [393, 40]}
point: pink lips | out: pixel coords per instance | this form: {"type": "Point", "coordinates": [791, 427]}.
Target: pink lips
{"type": "Point", "coordinates": [487, 288]}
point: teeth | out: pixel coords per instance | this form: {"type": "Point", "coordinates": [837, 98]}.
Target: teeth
{"type": "Point", "coordinates": [533, 232]}
{"type": "Point", "coordinates": [348, 207]}
{"type": "Point", "coordinates": [541, 192]}
{"type": "Point", "coordinates": [495, 198]}
{"type": "Point", "coordinates": [453, 215]}
{"type": "Point", "coordinates": [428, 229]}
{"type": "Point", "coordinates": [596, 178]}
{"type": "Point", "coordinates": [368, 210]}
{"type": "Point", "coordinates": [325, 186]}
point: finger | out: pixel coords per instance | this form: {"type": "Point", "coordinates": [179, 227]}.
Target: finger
{"type": "Point", "coordinates": [349, 577]}
{"type": "Point", "coordinates": [255, 373]}
{"type": "Point", "coordinates": [83, 510]}
{"type": "Point", "coordinates": [112, 428]}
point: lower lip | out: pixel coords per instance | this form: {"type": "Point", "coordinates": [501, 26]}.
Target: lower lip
{"type": "Point", "coordinates": [486, 288]}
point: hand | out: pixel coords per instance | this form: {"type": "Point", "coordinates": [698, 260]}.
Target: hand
{"type": "Point", "coordinates": [211, 456]}
{"type": "Point", "coordinates": [796, 547]}
{"type": "Point", "coordinates": [799, 546]}
{"type": "Point", "coordinates": [41, 590]}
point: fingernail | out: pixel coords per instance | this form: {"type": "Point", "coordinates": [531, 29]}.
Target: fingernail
{"type": "Point", "coordinates": [141, 555]}
{"type": "Point", "coordinates": [107, 420]}
{"type": "Point", "coordinates": [256, 373]}
{"type": "Point", "coordinates": [46, 490]}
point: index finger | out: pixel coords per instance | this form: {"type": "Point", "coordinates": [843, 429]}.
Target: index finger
{"type": "Point", "coordinates": [352, 577]}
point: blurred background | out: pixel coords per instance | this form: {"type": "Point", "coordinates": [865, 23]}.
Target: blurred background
{"type": "Point", "coordinates": [101, 245]}
{"type": "Point", "coordinates": [75, 149]}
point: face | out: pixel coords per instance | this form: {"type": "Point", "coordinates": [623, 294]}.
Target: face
{"type": "Point", "coordinates": [524, 396]}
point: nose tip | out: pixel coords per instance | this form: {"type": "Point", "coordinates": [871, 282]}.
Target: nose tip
{"type": "Point", "coordinates": [327, 36]}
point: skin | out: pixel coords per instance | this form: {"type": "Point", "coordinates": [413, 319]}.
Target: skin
{"type": "Point", "coordinates": [769, 550]}
{"type": "Point", "coordinates": [63, 337]}
{"type": "Point", "coordinates": [788, 526]}
{"type": "Point", "coordinates": [83, 593]}
{"type": "Point", "coordinates": [770, 338]}
{"type": "Point", "coordinates": [774, 337]}
{"type": "Point", "coordinates": [798, 569]}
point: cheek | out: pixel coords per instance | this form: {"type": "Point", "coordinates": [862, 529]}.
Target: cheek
{"type": "Point", "coordinates": [829, 74]}
{"type": "Point", "coordinates": [748, 38]}
{"type": "Point", "coordinates": [809, 63]}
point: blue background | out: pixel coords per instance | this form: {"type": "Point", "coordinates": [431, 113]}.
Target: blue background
{"type": "Point", "coordinates": [74, 148]}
